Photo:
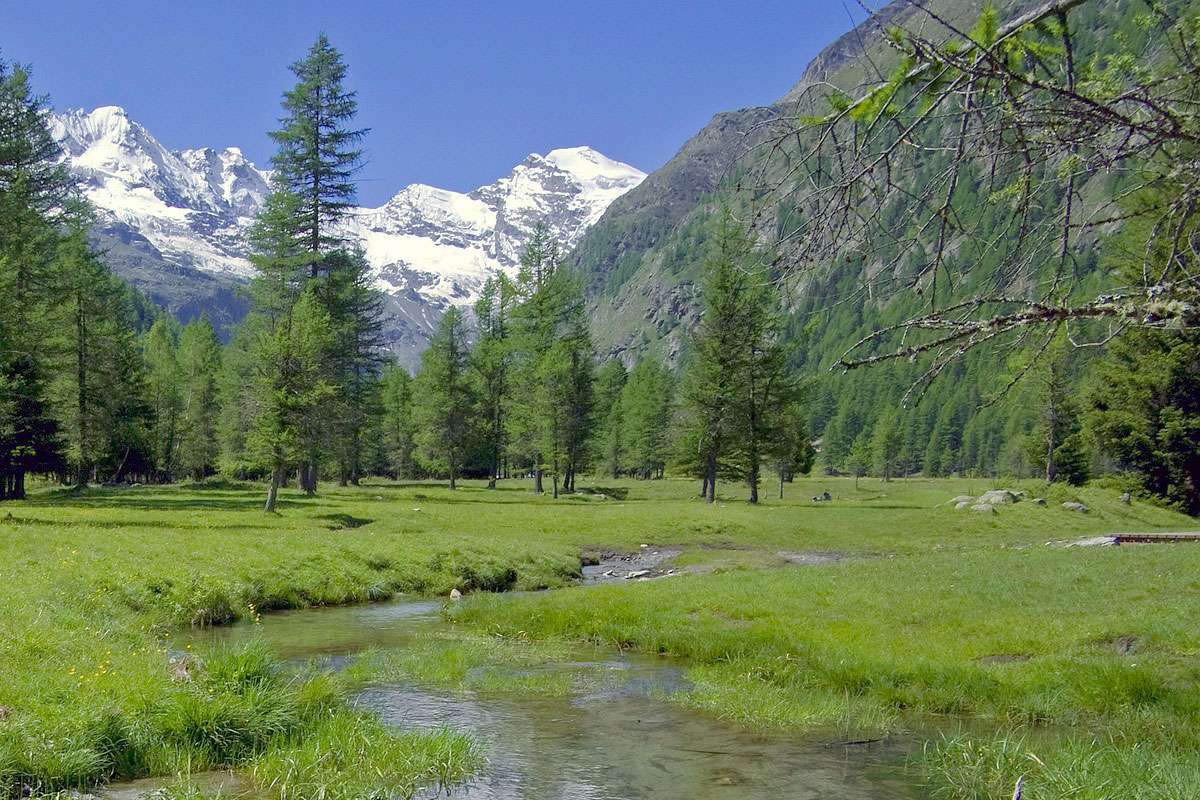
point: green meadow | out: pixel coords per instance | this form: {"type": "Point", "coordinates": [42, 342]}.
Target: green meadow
{"type": "Point", "coordinates": [1006, 653]}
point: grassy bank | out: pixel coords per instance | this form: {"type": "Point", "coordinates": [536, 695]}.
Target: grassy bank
{"type": "Point", "coordinates": [91, 583]}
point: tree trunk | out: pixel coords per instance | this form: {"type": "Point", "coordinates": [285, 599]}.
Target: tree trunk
{"type": "Point", "coordinates": [780, 485]}
{"type": "Point", "coordinates": [555, 481]}
{"type": "Point", "coordinates": [277, 477]}
{"type": "Point", "coordinates": [704, 484]}
{"type": "Point", "coordinates": [712, 479]}
{"type": "Point", "coordinates": [537, 481]}
{"type": "Point", "coordinates": [308, 477]}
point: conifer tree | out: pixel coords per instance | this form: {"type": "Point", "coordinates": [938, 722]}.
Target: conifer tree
{"type": "Point", "coordinates": [356, 308]}
{"type": "Point", "coordinates": [314, 166]}
{"type": "Point", "coordinates": [531, 415]}
{"type": "Point", "coordinates": [859, 459]}
{"type": "Point", "coordinates": [36, 192]}
{"type": "Point", "coordinates": [791, 449]}
{"type": "Point", "coordinates": [199, 367]}
{"type": "Point", "coordinates": [886, 444]}
{"type": "Point", "coordinates": [166, 399]}
{"type": "Point", "coordinates": [100, 385]}
{"type": "Point", "coordinates": [291, 385]}
{"type": "Point", "coordinates": [714, 379]}
{"type": "Point", "coordinates": [567, 373]}
{"type": "Point", "coordinates": [490, 360]}
{"type": "Point", "coordinates": [768, 386]}
{"type": "Point", "coordinates": [398, 422]}
{"type": "Point", "coordinates": [318, 151]}
{"type": "Point", "coordinates": [237, 386]}
{"type": "Point", "coordinates": [645, 407]}
{"type": "Point", "coordinates": [445, 400]}
{"type": "Point", "coordinates": [610, 444]}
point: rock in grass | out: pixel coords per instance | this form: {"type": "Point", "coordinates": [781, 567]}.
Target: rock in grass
{"type": "Point", "coordinates": [964, 504]}
{"type": "Point", "coordinates": [455, 594]}
{"type": "Point", "coordinates": [1094, 541]}
{"type": "Point", "coordinates": [984, 508]}
{"type": "Point", "coordinates": [999, 496]}
{"type": "Point", "coordinates": [1080, 507]}
{"type": "Point", "coordinates": [637, 573]}
{"type": "Point", "coordinates": [1039, 501]}
{"type": "Point", "coordinates": [962, 498]}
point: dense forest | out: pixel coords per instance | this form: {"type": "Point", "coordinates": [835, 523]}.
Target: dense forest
{"type": "Point", "coordinates": [96, 385]}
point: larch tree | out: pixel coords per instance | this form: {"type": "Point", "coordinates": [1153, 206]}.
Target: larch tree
{"type": "Point", "coordinates": [791, 449]}
{"type": "Point", "coordinates": [199, 367]}
{"type": "Point", "coordinates": [645, 408]}
{"type": "Point", "coordinates": [534, 321]}
{"type": "Point", "coordinates": [318, 155]}
{"type": "Point", "coordinates": [100, 383]}
{"type": "Point", "coordinates": [610, 445]}
{"type": "Point", "coordinates": [490, 360]}
{"type": "Point", "coordinates": [445, 397]}
{"type": "Point", "coordinates": [163, 379]}
{"type": "Point", "coordinates": [356, 308]}
{"type": "Point", "coordinates": [713, 385]}
{"type": "Point", "coordinates": [36, 194]}
{"type": "Point", "coordinates": [399, 426]}
{"type": "Point", "coordinates": [886, 443]}
{"type": "Point", "coordinates": [318, 150]}
{"type": "Point", "coordinates": [291, 385]}
{"type": "Point", "coordinates": [768, 387]}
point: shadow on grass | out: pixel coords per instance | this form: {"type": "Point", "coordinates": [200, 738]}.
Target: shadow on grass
{"type": "Point", "coordinates": [340, 522]}
{"type": "Point", "coordinates": [163, 499]}
{"type": "Point", "coordinates": [173, 525]}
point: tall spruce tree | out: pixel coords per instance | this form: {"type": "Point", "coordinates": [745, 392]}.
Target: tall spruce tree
{"type": "Point", "coordinates": [199, 369]}
{"type": "Point", "coordinates": [445, 397]}
{"type": "Point", "coordinates": [398, 422]}
{"type": "Point", "coordinates": [713, 383]}
{"type": "Point", "coordinates": [36, 193]}
{"type": "Point", "coordinates": [530, 415]}
{"type": "Point", "coordinates": [490, 360]}
{"type": "Point", "coordinates": [166, 398]}
{"type": "Point", "coordinates": [318, 153]}
{"type": "Point", "coordinates": [100, 383]}
{"type": "Point", "coordinates": [645, 408]}
{"type": "Point", "coordinates": [314, 167]}
{"type": "Point", "coordinates": [610, 439]}
{"type": "Point", "coordinates": [291, 385]}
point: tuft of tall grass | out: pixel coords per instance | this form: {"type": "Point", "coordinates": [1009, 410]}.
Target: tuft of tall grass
{"type": "Point", "coordinates": [349, 756]}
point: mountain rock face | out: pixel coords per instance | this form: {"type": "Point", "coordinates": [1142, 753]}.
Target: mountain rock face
{"type": "Point", "coordinates": [173, 222]}
{"type": "Point", "coordinates": [641, 257]}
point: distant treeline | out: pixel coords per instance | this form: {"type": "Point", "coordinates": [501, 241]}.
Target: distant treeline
{"type": "Point", "coordinates": [98, 386]}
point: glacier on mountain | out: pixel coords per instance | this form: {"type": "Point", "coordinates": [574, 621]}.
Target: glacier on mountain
{"type": "Point", "coordinates": [177, 216]}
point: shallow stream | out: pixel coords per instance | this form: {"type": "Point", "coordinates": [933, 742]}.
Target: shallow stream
{"type": "Point", "coordinates": [618, 741]}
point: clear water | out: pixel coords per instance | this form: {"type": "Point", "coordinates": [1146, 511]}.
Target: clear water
{"type": "Point", "coordinates": [618, 741]}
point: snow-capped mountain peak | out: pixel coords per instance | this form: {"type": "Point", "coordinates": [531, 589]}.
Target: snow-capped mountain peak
{"type": "Point", "coordinates": [188, 211]}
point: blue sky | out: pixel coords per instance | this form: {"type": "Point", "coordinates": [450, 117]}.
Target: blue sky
{"type": "Point", "coordinates": [455, 93]}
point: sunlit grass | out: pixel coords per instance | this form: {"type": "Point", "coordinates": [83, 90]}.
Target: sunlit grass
{"type": "Point", "coordinates": [92, 585]}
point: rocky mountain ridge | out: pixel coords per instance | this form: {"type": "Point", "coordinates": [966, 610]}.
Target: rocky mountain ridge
{"type": "Point", "coordinates": [174, 222]}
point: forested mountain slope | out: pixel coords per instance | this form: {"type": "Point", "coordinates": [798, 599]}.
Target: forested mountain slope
{"type": "Point", "coordinates": [642, 263]}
